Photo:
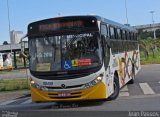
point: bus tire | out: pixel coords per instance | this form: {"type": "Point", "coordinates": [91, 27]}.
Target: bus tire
{"type": "Point", "coordinates": [116, 89]}
{"type": "Point", "coordinates": [133, 76]}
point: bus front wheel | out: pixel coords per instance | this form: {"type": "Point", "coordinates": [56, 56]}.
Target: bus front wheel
{"type": "Point", "coordinates": [116, 89]}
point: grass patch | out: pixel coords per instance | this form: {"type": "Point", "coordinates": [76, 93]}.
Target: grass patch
{"type": "Point", "coordinates": [150, 59]}
{"type": "Point", "coordinates": [13, 85]}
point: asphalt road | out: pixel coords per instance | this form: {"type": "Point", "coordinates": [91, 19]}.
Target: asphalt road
{"type": "Point", "coordinates": [143, 95]}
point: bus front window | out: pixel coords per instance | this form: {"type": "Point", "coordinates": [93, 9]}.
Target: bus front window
{"type": "Point", "coordinates": [65, 52]}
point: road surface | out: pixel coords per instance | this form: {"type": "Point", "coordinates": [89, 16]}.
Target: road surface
{"type": "Point", "coordinates": [143, 95]}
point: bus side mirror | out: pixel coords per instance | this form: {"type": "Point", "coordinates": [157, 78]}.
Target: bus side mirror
{"type": "Point", "coordinates": [23, 46]}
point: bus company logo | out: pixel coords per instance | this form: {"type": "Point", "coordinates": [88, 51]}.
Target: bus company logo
{"type": "Point", "coordinates": [63, 86]}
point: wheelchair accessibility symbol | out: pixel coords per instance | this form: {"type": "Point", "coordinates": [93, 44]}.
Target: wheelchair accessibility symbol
{"type": "Point", "coordinates": [67, 64]}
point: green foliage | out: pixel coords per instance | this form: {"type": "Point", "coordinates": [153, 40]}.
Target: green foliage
{"type": "Point", "coordinates": [145, 34]}
{"type": "Point", "coordinates": [11, 85]}
{"type": "Point", "coordinates": [150, 59]}
{"type": "Point", "coordinates": [150, 51]}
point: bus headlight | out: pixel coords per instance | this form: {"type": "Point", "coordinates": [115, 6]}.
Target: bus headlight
{"type": "Point", "coordinates": [94, 82]}
{"type": "Point", "coordinates": [32, 82]}
{"type": "Point", "coordinates": [99, 78]}
{"type": "Point", "coordinates": [35, 85]}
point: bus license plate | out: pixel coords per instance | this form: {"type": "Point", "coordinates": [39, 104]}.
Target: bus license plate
{"type": "Point", "coordinates": [64, 94]}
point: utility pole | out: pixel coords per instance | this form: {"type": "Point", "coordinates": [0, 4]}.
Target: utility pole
{"type": "Point", "coordinates": [9, 24]}
{"type": "Point", "coordinates": [126, 11]}
{"type": "Point", "coordinates": [9, 28]}
{"type": "Point", "coordinates": [154, 30]}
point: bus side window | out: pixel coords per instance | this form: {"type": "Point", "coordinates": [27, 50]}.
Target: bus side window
{"type": "Point", "coordinates": [115, 33]}
{"type": "Point", "coordinates": [132, 36]}
{"type": "Point", "coordinates": [124, 35]}
{"type": "Point", "coordinates": [135, 36]}
{"type": "Point", "coordinates": [121, 34]}
{"type": "Point", "coordinates": [118, 33]}
{"type": "Point", "coordinates": [112, 34]}
{"type": "Point", "coordinates": [104, 30]}
{"type": "Point", "coordinates": [128, 36]}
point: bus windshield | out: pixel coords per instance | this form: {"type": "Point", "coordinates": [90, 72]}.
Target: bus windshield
{"type": "Point", "coordinates": [65, 52]}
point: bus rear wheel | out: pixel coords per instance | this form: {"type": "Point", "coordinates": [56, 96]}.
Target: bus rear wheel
{"type": "Point", "coordinates": [116, 89]}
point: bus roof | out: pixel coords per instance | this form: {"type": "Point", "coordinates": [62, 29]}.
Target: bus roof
{"type": "Point", "coordinates": [115, 24]}
{"type": "Point", "coordinates": [99, 18]}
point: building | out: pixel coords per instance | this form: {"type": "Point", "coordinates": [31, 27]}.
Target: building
{"type": "Point", "coordinates": [16, 36]}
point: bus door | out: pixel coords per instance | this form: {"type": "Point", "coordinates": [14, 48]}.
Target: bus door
{"type": "Point", "coordinates": [106, 58]}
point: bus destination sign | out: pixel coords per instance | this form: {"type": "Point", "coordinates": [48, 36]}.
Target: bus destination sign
{"type": "Point", "coordinates": [56, 26]}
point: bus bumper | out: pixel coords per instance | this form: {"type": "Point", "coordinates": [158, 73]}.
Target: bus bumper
{"type": "Point", "coordinates": [92, 93]}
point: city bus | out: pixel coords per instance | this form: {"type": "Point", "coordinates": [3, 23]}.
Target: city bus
{"type": "Point", "coordinates": [74, 58]}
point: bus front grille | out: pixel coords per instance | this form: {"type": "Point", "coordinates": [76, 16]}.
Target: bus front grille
{"type": "Point", "coordinates": [67, 87]}
{"type": "Point", "coordinates": [65, 97]}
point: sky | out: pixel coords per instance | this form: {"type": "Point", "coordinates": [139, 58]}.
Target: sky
{"type": "Point", "coordinates": [23, 12]}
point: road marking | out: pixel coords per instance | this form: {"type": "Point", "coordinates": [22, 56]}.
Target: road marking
{"type": "Point", "coordinates": [146, 88]}
{"type": "Point", "coordinates": [140, 96]}
{"type": "Point", "coordinates": [7, 102]}
{"type": "Point", "coordinates": [123, 94]}
{"type": "Point", "coordinates": [27, 101]}
{"type": "Point", "coordinates": [124, 89]}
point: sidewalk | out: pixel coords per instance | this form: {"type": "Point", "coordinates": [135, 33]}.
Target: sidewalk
{"type": "Point", "coordinates": [5, 96]}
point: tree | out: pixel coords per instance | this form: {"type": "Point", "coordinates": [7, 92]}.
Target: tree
{"type": "Point", "coordinates": [144, 47]}
{"type": "Point", "coordinates": [5, 43]}
{"type": "Point", "coordinates": [145, 34]}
